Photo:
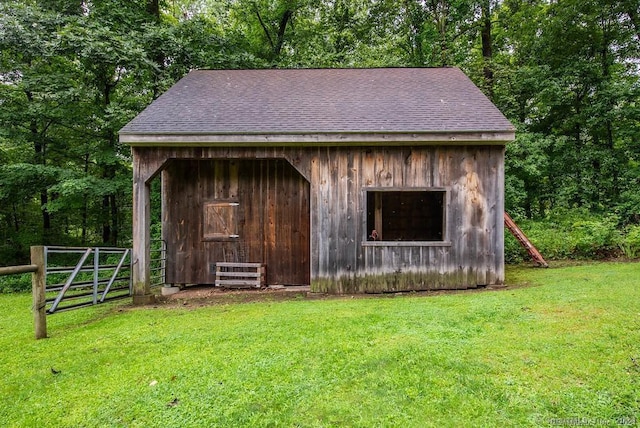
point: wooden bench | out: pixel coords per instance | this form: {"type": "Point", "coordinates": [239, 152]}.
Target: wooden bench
{"type": "Point", "coordinates": [240, 275]}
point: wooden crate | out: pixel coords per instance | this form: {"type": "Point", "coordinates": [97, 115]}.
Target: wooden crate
{"type": "Point", "coordinates": [240, 275]}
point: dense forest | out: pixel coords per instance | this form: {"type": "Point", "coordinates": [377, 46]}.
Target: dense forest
{"type": "Point", "coordinates": [73, 72]}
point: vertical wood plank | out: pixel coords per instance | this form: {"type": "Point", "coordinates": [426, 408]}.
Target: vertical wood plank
{"type": "Point", "coordinates": [325, 235]}
{"type": "Point", "coordinates": [233, 180]}
{"type": "Point", "coordinates": [270, 179]}
{"type": "Point", "coordinates": [497, 267]}
{"type": "Point", "coordinates": [485, 190]}
{"type": "Point", "coordinates": [338, 177]}
{"type": "Point", "coordinates": [315, 205]}
{"type": "Point", "coordinates": [166, 226]}
{"type": "Point", "coordinates": [377, 215]}
{"type": "Point", "coordinates": [340, 196]}
{"type": "Point", "coordinates": [368, 168]}
{"type": "Point", "coordinates": [355, 218]}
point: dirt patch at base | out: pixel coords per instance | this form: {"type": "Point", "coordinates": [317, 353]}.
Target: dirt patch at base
{"type": "Point", "coordinates": [208, 294]}
{"type": "Point", "coordinates": [203, 295]}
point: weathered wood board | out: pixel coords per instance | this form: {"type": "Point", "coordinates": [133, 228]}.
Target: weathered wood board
{"type": "Point", "coordinates": [302, 212]}
{"type": "Point", "coordinates": [235, 211]}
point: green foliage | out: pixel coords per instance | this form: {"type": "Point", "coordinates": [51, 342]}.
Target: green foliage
{"type": "Point", "coordinates": [574, 89]}
{"type": "Point", "coordinates": [15, 283]}
{"type": "Point", "coordinates": [513, 251]}
{"type": "Point", "coordinates": [526, 171]}
{"type": "Point", "coordinates": [73, 73]}
{"type": "Point", "coordinates": [571, 234]}
{"type": "Point", "coordinates": [67, 78]}
{"type": "Point", "coordinates": [19, 179]}
{"type": "Point", "coordinates": [596, 238]}
{"type": "Point", "coordinates": [630, 243]}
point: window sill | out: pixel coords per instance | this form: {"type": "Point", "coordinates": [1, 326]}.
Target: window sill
{"type": "Point", "coordinates": [406, 243]}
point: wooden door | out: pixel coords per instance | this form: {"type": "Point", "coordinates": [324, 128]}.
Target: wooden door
{"type": "Point", "coordinates": [236, 210]}
{"type": "Point", "coordinates": [286, 224]}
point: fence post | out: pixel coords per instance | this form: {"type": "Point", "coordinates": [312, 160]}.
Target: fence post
{"type": "Point", "coordinates": [38, 283]}
{"type": "Point", "coordinates": [96, 274]}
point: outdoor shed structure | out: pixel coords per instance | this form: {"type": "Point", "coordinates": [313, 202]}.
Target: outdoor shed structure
{"type": "Point", "coordinates": [347, 180]}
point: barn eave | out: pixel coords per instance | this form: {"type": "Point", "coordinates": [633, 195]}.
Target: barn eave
{"type": "Point", "coordinates": [183, 139]}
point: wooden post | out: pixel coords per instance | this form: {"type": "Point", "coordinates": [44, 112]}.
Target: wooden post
{"type": "Point", "coordinates": [140, 256]}
{"type": "Point", "coordinates": [378, 215]}
{"type": "Point", "coordinates": [38, 283]}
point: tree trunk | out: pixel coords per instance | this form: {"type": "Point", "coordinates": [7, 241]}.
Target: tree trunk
{"type": "Point", "coordinates": [85, 205]}
{"type": "Point", "coordinates": [16, 218]}
{"type": "Point", "coordinates": [415, 17]}
{"type": "Point", "coordinates": [106, 225]}
{"type": "Point", "coordinates": [153, 9]}
{"type": "Point", "coordinates": [39, 149]}
{"type": "Point", "coordinates": [109, 207]}
{"type": "Point", "coordinates": [284, 20]}
{"type": "Point", "coordinates": [487, 47]}
{"type": "Point", "coordinates": [276, 46]}
{"type": "Point", "coordinates": [114, 219]}
{"type": "Point", "coordinates": [439, 10]}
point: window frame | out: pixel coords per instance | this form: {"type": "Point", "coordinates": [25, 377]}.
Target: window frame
{"type": "Point", "coordinates": [445, 242]}
{"type": "Point", "coordinates": [233, 205]}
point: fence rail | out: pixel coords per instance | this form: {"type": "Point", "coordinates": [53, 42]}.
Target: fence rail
{"type": "Point", "coordinates": [97, 273]}
{"type": "Point", "coordinates": [65, 278]}
{"type": "Point", "coordinates": [15, 270]}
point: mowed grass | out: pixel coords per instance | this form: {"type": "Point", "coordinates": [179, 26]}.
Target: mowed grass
{"type": "Point", "coordinates": [565, 346]}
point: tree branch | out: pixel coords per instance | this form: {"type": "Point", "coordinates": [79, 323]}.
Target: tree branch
{"type": "Point", "coordinates": [286, 17]}
{"type": "Point", "coordinates": [263, 25]}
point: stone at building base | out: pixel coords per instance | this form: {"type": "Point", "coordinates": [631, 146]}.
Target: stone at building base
{"type": "Point", "coordinates": [169, 290]}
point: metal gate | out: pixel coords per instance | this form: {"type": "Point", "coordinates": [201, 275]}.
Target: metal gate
{"type": "Point", "coordinates": [77, 277]}
{"type": "Point", "coordinates": [157, 262]}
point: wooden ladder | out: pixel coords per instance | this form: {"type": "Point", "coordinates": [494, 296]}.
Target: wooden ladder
{"type": "Point", "coordinates": [524, 241]}
{"type": "Point", "coordinates": [240, 275]}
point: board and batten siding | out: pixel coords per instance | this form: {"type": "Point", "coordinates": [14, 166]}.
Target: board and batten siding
{"type": "Point", "coordinates": [260, 209]}
{"type": "Point", "coordinates": [471, 253]}
{"type": "Point", "coordinates": [332, 183]}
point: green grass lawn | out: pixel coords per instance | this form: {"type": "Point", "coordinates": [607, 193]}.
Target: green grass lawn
{"type": "Point", "coordinates": [563, 349]}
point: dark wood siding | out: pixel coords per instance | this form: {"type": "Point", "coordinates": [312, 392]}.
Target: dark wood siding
{"type": "Point", "coordinates": [272, 218]}
{"type": "Point", "coordinates": [276, 204]}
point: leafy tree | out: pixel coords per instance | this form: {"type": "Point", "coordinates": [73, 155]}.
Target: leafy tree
{"type": "Point", "coordinates": [60, 69]}
{"type": "Point", "coordinates": [73, 72]}
{"type": "Point", "coordinates": [36, 93]}
{"type": "Point", "coordinates": [574, 79]}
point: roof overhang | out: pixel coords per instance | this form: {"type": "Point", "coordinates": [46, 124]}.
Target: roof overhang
{"type": "Point", "coordinates": [318, 139]}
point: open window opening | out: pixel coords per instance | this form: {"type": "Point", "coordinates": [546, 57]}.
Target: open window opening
{"type": "Point", "coordinates": [406, 215]}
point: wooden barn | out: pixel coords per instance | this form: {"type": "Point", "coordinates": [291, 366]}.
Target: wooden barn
{"type": "Point", "coordinates": [347, 180]}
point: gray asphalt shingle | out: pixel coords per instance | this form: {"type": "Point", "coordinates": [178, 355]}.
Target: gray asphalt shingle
{"type": "Point", "coordinates": [320, 101]}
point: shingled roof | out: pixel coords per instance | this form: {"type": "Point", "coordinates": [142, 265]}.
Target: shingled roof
{"type": "Point", "coordinates": [213, 106]}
